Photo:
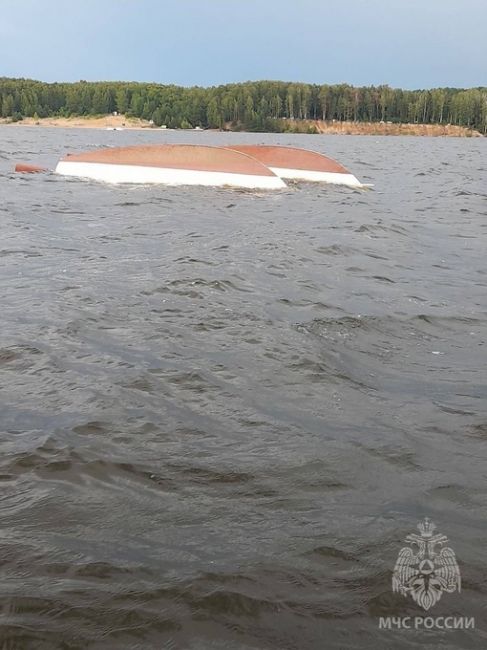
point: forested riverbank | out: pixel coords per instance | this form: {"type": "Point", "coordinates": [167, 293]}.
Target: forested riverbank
{"type": "Point", "coordinates": [251, 106]}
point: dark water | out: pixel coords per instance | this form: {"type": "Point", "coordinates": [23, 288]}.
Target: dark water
{"type": "Point", "coordinates": [222, 412]}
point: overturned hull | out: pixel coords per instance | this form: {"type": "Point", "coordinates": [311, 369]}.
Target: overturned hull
{"type": "Point", "coordinates": [299, 164]}
{"type": "Point", "coordinates": [249, 166]}
{"type": "Point", "coordinates": [178, 164]}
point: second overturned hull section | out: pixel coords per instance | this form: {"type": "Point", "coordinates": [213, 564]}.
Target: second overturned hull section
{"type": "Point", "coordinates": [299, 164]}
{"type": "Point", "coordinates": [172, 165]}
{"type": "Point", "coordinates": [313, 176]}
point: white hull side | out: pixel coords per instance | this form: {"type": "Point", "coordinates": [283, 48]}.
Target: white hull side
{"type": "Point", "coordinates": [318, 177]}
{"type": "Point", "coordinates": [143, 174]}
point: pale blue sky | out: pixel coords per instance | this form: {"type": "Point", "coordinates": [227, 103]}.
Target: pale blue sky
{"type": "Point", "coordinates": [405, 43]}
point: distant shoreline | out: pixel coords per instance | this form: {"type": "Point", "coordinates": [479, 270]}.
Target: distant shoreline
{"type": "Point", "coordinates": [120, 122]}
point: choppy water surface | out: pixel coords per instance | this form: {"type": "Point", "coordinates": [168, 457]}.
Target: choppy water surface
{"type": "Point", "coordinates": [222, 411]}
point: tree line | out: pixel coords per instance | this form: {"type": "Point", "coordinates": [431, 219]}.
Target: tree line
{"type": "Point", "coordinates": [253, 105]}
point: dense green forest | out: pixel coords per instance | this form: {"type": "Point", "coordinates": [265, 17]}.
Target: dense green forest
{"type": "Point", "coordinates": [253, 106]}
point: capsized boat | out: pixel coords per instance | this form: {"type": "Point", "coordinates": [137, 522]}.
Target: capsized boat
{"type": "Point", "coordinates": [172, 164]}
{"type": "Point", "coordinates": [299, 164]}
{"type": "Point", "coordinates": [246, 165]}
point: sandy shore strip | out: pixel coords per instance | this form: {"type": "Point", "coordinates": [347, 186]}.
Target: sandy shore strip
{"type": "Point", "coordinates": [391, 128]}
{"type": "Point", "coordinates": [120, 122]}
{"type": "Point", "coordinates": [89, 122]}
